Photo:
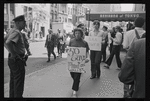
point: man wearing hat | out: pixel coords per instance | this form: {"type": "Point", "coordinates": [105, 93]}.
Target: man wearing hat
{"type": "Point", "coordinates": [49, 44]}
{"type": "Point", "coordinates": [14, 43]}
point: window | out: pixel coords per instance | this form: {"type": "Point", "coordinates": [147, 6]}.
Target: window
{"type": "Point", "coordinates": [5, 9]}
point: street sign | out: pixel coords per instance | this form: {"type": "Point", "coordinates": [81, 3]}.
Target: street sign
{"type": "Point", "coordinates": [76, 59]}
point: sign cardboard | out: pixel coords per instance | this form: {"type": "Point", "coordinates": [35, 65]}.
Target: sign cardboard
{"type": "Point", "coordinates": [94, 42]}
{"type": "Point", "coordinates": [76, 59]}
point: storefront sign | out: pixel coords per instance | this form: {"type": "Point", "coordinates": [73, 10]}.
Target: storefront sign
{"type": "Point", "coordinates": [114, 16]}
{"type": "Point", "coordinates": [76, 59]}
{"type": "Point", "coordinates": [94, 42]}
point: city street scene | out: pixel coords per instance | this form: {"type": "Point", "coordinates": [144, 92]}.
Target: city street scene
{"type": "Point", "coordinates": [54, 50]}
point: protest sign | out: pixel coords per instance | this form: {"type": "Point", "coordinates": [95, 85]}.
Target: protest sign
{"type": "Point", "coordinates": [76, 59]}
{"type": "Point", "coordinates": [94, 42]}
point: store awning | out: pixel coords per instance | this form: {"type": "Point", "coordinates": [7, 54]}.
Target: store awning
{"type": "Point", "coordinates": [115, 16]}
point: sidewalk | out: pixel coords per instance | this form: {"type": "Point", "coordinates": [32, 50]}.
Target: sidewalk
{"type": "Point", "coordinates": [55, 81]}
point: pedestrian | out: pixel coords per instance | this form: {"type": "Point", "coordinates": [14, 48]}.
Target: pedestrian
{"type": "Point", "coordinates": [111, 34]}
{"type": "Point", "coordinates": [57, 41]}
{"type": "Point", "coordinates": [133, 68]}
{"type": "Point", "coordinates": [104, 42]}
{"type": "Point", "coordinates": [49, 44]}
{"type": "Point", "coordinates": [129, 38]}
{"type": "Point", "coordinates": [82, 26]}
{"type": "Point", "coordinates": [25, 37]}
{"type": "Point", "coordinates": [86, 32]}
{"type": "Point", "coordinates": [78, 42]}
{"type": "Point", "coordinates": [115, 49]}
{"type": "Point", "coordinates": [40, 34]}
{"type": "Point", "coordinates": [95, 56]}
{"type": "Point", "coordinates": [129, 26]}
{"type": "Point", "coordinates": [29, 33]}
{"type": "Point", "coordinates": [14, 43]}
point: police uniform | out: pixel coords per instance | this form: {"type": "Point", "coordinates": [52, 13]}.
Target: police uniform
{"type": "Point", "coordinates": [16, 64]}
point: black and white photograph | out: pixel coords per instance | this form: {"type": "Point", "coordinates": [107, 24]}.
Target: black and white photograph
{"type": "Point", "coordinates": [74, 50]}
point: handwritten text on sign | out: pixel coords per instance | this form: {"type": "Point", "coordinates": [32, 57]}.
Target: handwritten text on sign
{"type": "Point", "coordinates": [76, 59]}
{"type": "Point", "coordinates": [94, 42]}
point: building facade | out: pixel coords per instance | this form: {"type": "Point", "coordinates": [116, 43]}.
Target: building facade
{"type": "Point", "coordinates": [53, 13]}
{"type": "Point", "coordinates": [37, 17]}
{"type": "Point", "coordinates": [115, 7]}
{"type": "Point", "coordinates": [139, 7]}
{"type": "Point", "coordinates": [9, 14]}
{"type": "Point", "coordinates": [62, 13]}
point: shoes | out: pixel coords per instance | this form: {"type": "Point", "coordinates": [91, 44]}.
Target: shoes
{"type": "Point", "coordinates": [98, 77]}
{"type": "Point", "coordinates": [55, 58]}
{"type": "Point", "coordinates": [48, 60]}
{"type": "Point", "coordinates": [29, 54]}
{"type": "Point", "coordinates": [92, 77]}
{"type": "Point", "coordinates": [74, 94]}
{"type": "Point", "coordinates": [107, 66]}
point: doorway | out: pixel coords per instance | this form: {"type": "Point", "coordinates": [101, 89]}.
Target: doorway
{"type": "Point", "coordinates": [43, 30]}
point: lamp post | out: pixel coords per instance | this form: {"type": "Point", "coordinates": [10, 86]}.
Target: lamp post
{"type": "Point", "coordinates": [89, 10]}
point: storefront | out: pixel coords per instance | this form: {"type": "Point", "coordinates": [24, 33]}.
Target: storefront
{"type": "Point", "coordinates": [115, 16]}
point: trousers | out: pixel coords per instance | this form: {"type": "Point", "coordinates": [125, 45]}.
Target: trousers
{"type": "Point", "coordinates": [95, 57]}
{"type": "Point", "coordinates": [50, 50]}
{"type": "Point", "coordinates": [17, 77]}
{"type": "Point", "coordinates": [104, 46]}
{"type": "Point", "coordinates": [115, 51]}
{"type": "Point", "coordinates": [76, 80]}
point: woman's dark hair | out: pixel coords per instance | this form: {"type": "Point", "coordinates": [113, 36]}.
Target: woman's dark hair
{"type": "Point", "coordinates": [96, 22]}
{"type": "Point", "coordinates": [78, 29]}
{"type": "Point", "coordinates": [105, 27]}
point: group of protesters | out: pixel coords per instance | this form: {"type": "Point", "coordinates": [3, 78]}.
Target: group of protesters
{"type": "Point", "coordinates": [132, 69]}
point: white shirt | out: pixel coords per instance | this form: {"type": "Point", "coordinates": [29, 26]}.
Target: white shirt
{"type": "Point", "coordinates": [117, 40]}
{"type": "Point", "coordinates": [130, 36]}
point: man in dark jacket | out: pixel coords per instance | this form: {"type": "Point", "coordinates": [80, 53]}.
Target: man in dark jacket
{"type": "Point", "coordinates": [49, 44]}
{"type": "Point", "coordinates": [133, 68]}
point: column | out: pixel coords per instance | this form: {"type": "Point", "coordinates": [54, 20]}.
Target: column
{"type": "Point", "coordinates": [9, 20]}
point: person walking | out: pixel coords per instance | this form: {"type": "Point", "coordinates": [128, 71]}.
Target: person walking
{"type": "Point", "coordinates": [115, 49]}
{"type": "Point", "coordinates": [58, 41]}
{"type": "Point", "coordinates": [104, 42]}
{"type": "Point", "coordinates": [111, 34]}
{"type": "Point", "coordinates": [133, 68]}
{"type": "Point", "coordinates": [129, 37]}
{"type": "Point", "coordinates": [49, 44]}
{"type": "Point", "coordinates": [95, 56]}
{"type": "Point", "coordinates": [78, 42]}
{"type": "Point", "coordinates": [14, 43]}
{"type": "Point", "coordinates": [25, 37]}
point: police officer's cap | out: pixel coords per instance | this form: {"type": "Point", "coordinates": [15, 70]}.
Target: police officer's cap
{"type": "Point", "coordinates": [19, 18]}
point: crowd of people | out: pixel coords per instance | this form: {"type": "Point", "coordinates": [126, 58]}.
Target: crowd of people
{"type": "Point", "coordinates": [132, 69]}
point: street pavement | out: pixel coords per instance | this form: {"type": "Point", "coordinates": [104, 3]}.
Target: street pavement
{"type": "Point", "coordinates": [55, 81]}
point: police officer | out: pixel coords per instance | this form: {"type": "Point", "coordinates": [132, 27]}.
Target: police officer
{"type": "Point", "coordinates": [14, 43]}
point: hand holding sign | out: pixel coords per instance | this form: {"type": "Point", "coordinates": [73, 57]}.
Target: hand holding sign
{"type": "Point", "coordinates": [76, 59]}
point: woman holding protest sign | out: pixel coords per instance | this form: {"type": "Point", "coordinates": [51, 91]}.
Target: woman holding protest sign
{"type": "Point", "coordinates": [78, 42]}
{"type": "Point", "coordinates": [95, 56]}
